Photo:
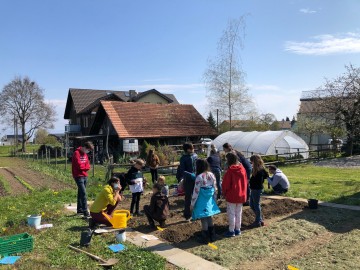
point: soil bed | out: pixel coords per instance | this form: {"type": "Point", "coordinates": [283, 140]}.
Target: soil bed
{"type": "Point", "coordinates": [16, 186]}
{"type": "Point", "coordinates": [35, 179]}
{"type": "Point", "coordinates": [178, 231]}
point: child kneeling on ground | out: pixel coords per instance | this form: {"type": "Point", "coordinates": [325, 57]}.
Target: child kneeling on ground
{"type": "Point", "coordinates": [158, 210]}
{"type": "Point", "coordinates": [203, 204]}
{"type": "Point", "coordinates": [234, 188]}
{"type": "Point", "coordinates": [105, 203]}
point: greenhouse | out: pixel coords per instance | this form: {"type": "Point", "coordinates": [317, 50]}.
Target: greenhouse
{"type": "Point", "coordinates": [263, 143]}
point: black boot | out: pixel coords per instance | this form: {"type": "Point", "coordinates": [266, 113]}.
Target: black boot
{"type": "Point", "coordinates": [204, 239]}
{"type": "Point", "coordinates": [212, 234]}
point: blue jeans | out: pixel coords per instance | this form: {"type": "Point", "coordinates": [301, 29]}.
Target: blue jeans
{"type": "Point", "coordinates": [81, 196]}
{"type": "Point", "coordinates": [255, 204]}
{"type": "Point", "coordinates": [217, 174]}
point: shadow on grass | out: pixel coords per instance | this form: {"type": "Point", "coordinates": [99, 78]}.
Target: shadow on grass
{"type": "Point", "coordinates": [353, 199]}
{"type": "Point", "coordinates": [333, 219]}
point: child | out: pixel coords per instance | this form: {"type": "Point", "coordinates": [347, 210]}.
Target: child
{"type": "Point", "coordinates": [164, 186]}
{"type": "Point", "coordinates": [135, 179]}
{"type": "Point", "coordinates": [259, 174]}
{"type": "Point", "coordinates": [186, 172]}
{"type": "Point", "coordinates": [203, 202]}
{"type": "Point", "coordinates": [105, 203]}
{"type": "Point", "coordinates": [158, 209]}
{"type": "Point", "coordinates": [215, 164]}
{"type": "Point", "coordinates": [234, 188]}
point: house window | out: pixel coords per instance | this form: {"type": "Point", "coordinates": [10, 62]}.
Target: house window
{"type": "Point", "coordinates": [86, 122]}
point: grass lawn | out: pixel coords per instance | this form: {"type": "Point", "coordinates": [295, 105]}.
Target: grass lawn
{"type": "Point", "coordinates": [311, 239]}
{"type": "Point", "coordinates": [338, 185]}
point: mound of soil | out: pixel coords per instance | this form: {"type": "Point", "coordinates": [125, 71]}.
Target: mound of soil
{"type": "Point", "coordinates": [178, 230]}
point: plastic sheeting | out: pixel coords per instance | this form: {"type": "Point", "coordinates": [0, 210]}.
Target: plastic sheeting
{"type": "Point", "coordinates": [263, 143]}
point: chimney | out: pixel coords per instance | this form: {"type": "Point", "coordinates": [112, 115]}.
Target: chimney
{"type": "Point", "coordinates": [132, 93]}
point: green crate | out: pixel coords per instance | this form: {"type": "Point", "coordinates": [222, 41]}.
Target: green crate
{"type": "Point", "coordinates": [16, 244]}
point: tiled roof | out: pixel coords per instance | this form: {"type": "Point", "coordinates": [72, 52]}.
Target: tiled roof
{"type": "Point", "coordinates": [131, 120]}
{"type": "Point", "coordinates": [83, 98]}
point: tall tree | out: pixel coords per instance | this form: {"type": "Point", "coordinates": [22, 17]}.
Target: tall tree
{"type": "Point", "coordinates": [338, 102]}
{"type": "Point", "coordinates": [211, 120]}
{"type": "Point", "coordinates": [23, 100]}
{"type": "Point", "coordinates": [224, 77]}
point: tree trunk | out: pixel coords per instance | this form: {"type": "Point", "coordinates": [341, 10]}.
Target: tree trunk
{"type": "Point", "coordinates": [23, 136]}
{"type": "Point", "coordinates": [349, 146]}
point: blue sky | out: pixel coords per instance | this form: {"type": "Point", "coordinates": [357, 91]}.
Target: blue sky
{"type": "Point", "coordinates": [290, 46]}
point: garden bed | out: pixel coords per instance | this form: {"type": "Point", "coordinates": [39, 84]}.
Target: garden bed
{"type": "Point", "coordinates": [34, 180]}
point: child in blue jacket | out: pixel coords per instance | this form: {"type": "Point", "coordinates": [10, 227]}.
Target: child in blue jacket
{"type": "Point", "coordinates": [203, 203]}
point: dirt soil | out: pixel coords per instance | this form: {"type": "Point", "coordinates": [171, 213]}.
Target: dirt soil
{"type": "Point", "coordinates": [15, 185]}
{"type": "Point", "coordinates": [179, 232]}
{"type": "Point", "coordinates": [33, 178]}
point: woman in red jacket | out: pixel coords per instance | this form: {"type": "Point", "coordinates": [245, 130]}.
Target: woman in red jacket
{"type": "Point", "coordinates": [234, 189]}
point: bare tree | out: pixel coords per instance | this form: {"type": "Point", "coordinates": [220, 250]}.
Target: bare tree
{"type": "Point", "coordinates": [224, 77]}
{"type": "Point", "coordinates": [338, 102]}
{"type": "Point", "coordinates": [23, 100]}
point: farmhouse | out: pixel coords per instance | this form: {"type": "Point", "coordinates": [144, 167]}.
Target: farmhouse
{"type": "Point", "coordinates": [163, 123]}
{"type": "Point", "coordinates": [82, 105]}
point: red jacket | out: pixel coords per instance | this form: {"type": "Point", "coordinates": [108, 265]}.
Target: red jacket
{"type": "Point", "coordinates": [234, 184]}
{"type": "Point", "coordinates": [80, 164]}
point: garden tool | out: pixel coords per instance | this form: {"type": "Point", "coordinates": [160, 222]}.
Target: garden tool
{"type": "Point", "coordinates": [119, 219]}
{"type": "Point", "coordinates": [109, 262]}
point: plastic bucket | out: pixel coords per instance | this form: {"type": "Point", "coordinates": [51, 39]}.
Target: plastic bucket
{"type": "Point", "coordinates": [121, 236]}
{"type": "Point", "coordinates": [34, 220]}
{"type": "Point", "coordinates": [313, 203]}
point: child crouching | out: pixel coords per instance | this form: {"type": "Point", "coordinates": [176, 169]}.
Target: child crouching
{"type": "Point", "coordinates": [203, 203]}
{"type": "Point", "coordinates": [158, 210]}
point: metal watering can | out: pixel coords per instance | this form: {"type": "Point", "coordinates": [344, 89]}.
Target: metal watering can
{"type": "Point", "coordinates": [119, 219]}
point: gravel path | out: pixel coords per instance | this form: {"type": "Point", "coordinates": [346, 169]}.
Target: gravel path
{"type": "Point", "coordinates": [344, 162]}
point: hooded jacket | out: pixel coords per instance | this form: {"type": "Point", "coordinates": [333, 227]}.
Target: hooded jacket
{"type": "Point", "coordinates": [234, 184]}
{"type": "Point", "coordinates": [159, 206]}
{"type": "Point", "coordinates": [80, 163]}
{"type": "Point", "coordinates": [279, 178]}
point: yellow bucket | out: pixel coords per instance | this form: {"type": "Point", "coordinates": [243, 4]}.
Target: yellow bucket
{"type": "Point", "coordinates": [120, 218]}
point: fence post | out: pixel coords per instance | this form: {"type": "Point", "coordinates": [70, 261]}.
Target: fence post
{"type": "Point", "coordinates": [93, 162]}
{"type": "Point", "coordinates": [33, 155]}
{"type": "Point", "coordinates": [277, 155]}
{"type": "Point", "coordinates": [318, 154]}
{"type": "Point", "coordinates": [298, 154]}
{"type": "Point", "coordinates": [55, 157]}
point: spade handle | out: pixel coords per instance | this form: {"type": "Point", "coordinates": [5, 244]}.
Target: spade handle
{"type": "Point", "coordinates": [88, 253]}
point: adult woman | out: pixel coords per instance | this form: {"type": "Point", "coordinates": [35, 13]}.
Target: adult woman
{"type": "Point", "coordinates": [106, 202]}
{"type": "Point", "coordinates": [258, 175]}
{"type": "Point", "coordinates": [153, 162]}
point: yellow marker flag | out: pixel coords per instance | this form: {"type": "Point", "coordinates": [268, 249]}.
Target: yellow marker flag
{"type": "Point", "coordinates": [212, 246]}
{"type": "Point", "coordinates": [160, 229]}
{"type": "Point", "coordinates": [292, 268]}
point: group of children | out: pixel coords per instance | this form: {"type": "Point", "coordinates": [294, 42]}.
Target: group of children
{"type": "Point", "coordinates": [243, 182]}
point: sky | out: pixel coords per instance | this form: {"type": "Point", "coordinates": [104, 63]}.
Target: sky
{"type": "Point", "coordinates": [290, 46]}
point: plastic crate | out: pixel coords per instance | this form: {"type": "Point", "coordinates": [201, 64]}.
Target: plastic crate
{"type": "Point", "coordinates": [16, 244]}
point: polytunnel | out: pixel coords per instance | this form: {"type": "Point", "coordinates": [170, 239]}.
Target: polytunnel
{"type": "Point", "coordinates": [263, 142]}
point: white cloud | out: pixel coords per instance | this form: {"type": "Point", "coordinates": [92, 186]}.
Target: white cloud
{"type": "Point", "coordinates": [326, 44]}
{"type": "Point", "coordinates": [307, 11]}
